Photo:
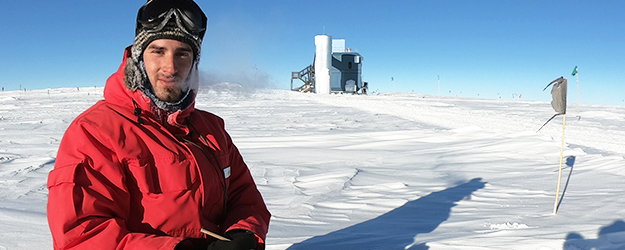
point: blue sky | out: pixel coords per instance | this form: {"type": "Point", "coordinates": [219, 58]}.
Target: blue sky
{"type": "Point", "coordinates": [485, 49]}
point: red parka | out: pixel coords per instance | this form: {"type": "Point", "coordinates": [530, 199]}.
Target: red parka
{"type": "Point", "coordinates": [126, 179]}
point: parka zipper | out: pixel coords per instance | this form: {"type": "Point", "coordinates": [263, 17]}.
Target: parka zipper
{"type": "Point", "coordinates": [218, 168]}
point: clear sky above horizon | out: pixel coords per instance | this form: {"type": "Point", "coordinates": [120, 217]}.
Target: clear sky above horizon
{"type": "Point", "coordinates": [483, 49]}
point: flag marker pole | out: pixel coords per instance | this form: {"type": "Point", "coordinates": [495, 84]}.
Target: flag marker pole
{"type": "Point", "coordinates": [578, 115]}
{"type": "Point", "coordinates": [555, 205]}
{"type": "Point", "coordinates": [576, 74]}
{"type": "Point", "coordinates": [439, 85]}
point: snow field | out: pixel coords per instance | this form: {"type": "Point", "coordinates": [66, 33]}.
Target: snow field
{"type": "Point", "coordinates": [394, 171]}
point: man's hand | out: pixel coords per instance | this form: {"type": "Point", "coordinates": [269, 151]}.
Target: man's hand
{"type": "Point", "coordinates": [241, 240]}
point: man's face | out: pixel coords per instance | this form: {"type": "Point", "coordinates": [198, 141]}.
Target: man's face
{"type": "Point", "coordinates": [168, 63]}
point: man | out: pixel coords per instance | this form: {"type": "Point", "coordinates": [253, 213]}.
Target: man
{"type": "Point", "coordinates": [143, 169]}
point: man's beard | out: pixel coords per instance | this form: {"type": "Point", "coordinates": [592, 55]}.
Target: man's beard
{"type": "Point", "coordinates": [175, 97]}
{"type": "Point", "coordinates": [169, 94]}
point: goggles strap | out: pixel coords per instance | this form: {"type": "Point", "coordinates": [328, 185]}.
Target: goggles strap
{"type": "Point", "coordinates": [180, 18]}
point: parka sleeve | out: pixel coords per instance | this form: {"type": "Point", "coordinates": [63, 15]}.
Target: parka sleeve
{"type": "Point", "coordinates": [88, 203]}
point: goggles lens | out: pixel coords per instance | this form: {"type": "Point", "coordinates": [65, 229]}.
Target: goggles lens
{"type": "Point", "coordinates": [156, 13]}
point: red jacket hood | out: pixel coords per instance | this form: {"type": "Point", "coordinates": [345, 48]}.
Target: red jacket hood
{"type": "Point", "coordinates": [116, 92]}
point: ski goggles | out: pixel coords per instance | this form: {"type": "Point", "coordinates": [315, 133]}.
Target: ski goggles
{"type": "Point", "coordinates": [155, 14]}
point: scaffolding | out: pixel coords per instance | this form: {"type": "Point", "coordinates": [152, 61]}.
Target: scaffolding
{"type": "Point", "coordinates": [307, 76]}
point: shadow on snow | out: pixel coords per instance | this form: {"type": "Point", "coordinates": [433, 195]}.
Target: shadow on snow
{"type": "Point", "coordinates": [570, 161]}
{"type": "Point", "coordinates": [611, 237]}
{"type": "Point", "coordinates": [397, 228]}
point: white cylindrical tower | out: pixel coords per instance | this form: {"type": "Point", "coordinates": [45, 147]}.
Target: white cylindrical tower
{"type": "Point", "coordinates": [323, 61]}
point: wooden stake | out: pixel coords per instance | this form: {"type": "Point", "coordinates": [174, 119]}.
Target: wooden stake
{"type": "Point", "coordinates": [555, 206]}
{"type": "Point", "coordinates": [214, 235]}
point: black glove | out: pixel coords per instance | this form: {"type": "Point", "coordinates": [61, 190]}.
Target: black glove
{"type": "Point", "coordinates": [241, 240]}
{"type": "Point", "coordinates": [192, 244]}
